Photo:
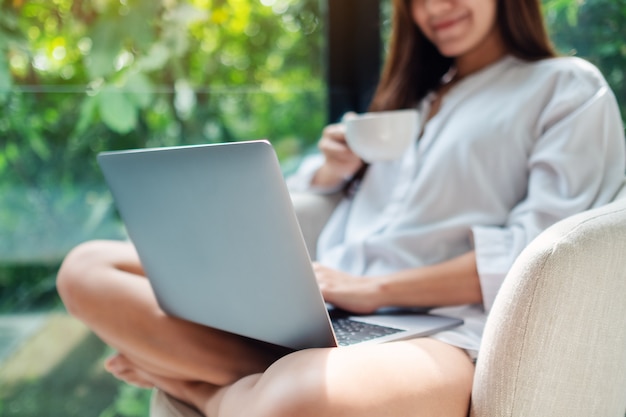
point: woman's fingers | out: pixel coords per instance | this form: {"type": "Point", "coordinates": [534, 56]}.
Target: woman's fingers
{"type": "Point", "coordinates": [352, 293]}
{"type": "Point", "coordinates": [339, 157]}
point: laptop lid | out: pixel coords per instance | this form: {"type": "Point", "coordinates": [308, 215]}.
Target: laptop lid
{"type": "Point", "coordinates": [219, 240]}
{"type": "Point", "coordinates": [216, 233]}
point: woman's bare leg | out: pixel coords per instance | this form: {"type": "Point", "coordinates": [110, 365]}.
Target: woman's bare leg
{"type": "Point", "coordinates": [420, 377]}
{"type": "Point", "coordinates": [228, 376]}
{"type": "Point", "coordinates": [102, 284]}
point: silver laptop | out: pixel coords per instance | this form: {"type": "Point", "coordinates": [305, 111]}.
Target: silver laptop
{"type": "Point", "coordinates": [218, 238]}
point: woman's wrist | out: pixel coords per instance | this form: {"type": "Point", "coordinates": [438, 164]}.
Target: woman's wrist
{"type": "Point", "coordinates": [327, 177]}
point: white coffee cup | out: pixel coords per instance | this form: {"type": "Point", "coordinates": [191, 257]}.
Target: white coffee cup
{"type": "Point", "coordinates": [382, 136]}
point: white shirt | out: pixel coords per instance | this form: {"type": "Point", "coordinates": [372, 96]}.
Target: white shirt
{"type": "Point", "coordinates": [513, 148]}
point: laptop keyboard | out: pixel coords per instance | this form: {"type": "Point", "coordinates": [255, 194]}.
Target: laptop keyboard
{"type": "Point", "coordinates": [349, 332]}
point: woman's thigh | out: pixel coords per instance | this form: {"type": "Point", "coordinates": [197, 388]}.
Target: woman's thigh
{"type": "Point", "coordinates": [419, 377]}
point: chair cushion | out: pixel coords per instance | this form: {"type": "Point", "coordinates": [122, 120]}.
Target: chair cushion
{"type": "Point", "coordinates": [555, 341]}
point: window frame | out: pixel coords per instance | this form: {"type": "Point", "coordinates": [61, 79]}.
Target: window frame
{"type": "Point", "coordinates": [354, 55]}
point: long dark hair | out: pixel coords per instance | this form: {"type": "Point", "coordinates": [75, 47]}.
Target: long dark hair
{"type": "Point", "coordinates": [414, 66]}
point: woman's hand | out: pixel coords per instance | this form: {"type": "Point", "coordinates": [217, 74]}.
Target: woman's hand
{"type": "Point", "coordinates": [341, 163]}
{"type": "Point", "coordinates": [356, 294]}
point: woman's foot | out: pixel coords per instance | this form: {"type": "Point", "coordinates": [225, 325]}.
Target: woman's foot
{"type": "Point", "coordinates": [123, 369]}
{"type": "Point", "coordinates": [199, 395]}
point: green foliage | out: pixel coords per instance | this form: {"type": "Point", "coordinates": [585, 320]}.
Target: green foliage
{"type": "Point", "coordinates": [79, 77]}
{"type": "Point", "coordinates": [35, 287]}
{"type": "Point", "coordinates": [130, 401]}
{"type": "Point", "coordinates": [594, 30]}
{"type": "Point", "coordinates": [149, 73]}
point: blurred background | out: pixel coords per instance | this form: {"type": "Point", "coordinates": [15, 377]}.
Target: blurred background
{"type": "Point", "coordinates": [79, 77]}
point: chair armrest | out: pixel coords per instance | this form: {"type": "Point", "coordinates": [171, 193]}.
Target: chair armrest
{"type": "Point", "coordinates": [313, 211]}
{"type": "Point", "coordinates": [555, 340]}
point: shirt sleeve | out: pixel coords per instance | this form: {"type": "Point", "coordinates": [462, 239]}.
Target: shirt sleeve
{"type": "Point", "coordinates": [301, 180]}
{"type": "Point", "coordinates": [577, 163]}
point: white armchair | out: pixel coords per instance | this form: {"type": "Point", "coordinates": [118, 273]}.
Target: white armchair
{"type": "Point", "coordinates": [555, 340]}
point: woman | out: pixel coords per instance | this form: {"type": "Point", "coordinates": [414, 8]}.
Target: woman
{"type": "Point", "coordinates": [514, 140]}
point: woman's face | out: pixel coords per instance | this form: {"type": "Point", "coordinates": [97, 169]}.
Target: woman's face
{"type": "Point", "coordinates": [456, 27]}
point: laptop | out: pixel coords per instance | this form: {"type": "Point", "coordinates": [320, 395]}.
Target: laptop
{"type": "Point", "coordinates": [217, 235]}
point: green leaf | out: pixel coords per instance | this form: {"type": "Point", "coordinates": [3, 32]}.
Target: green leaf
{"type": "Point", "coordinates": [5, 75]}
{"type": "Point", "coordinates": [107, 43]}
{"type": "Point", "coordinates": [156, 59]}
{"type": "Point", "coordinates": [11, 152]}
{"type": "Point", "coordinates": [140, 90]}
{"type": "Point", "coordinates": [608, 49]}
{"type": "Point", "coordinates": [3, 165]}
{"type": "Point", "coordinates": [132, 401]}
{"type": "Point", "coordinates": [39, 146]}
{"type": "Point", "coordinates": [138, 24]}
{"type": "Point", "coordinates": [176, 40]}
{"type": "Point", "coordinates": [88, 110]}
{"type": "Point", "coordinates": [572, 14]}
{"type": "Point", "coordinates": [9, 21]}
{"type": "Point", "coordinates": [117, 110]}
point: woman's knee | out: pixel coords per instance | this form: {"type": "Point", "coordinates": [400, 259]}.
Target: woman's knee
{"type": "Point", "coordinates": [302, 395]}
{"type": "Point", "coordinates": [327, 382]}
{"type": "Point", "coordinates": [76, 271]}
{"type": "Point", "coordinates": [287, 388]}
